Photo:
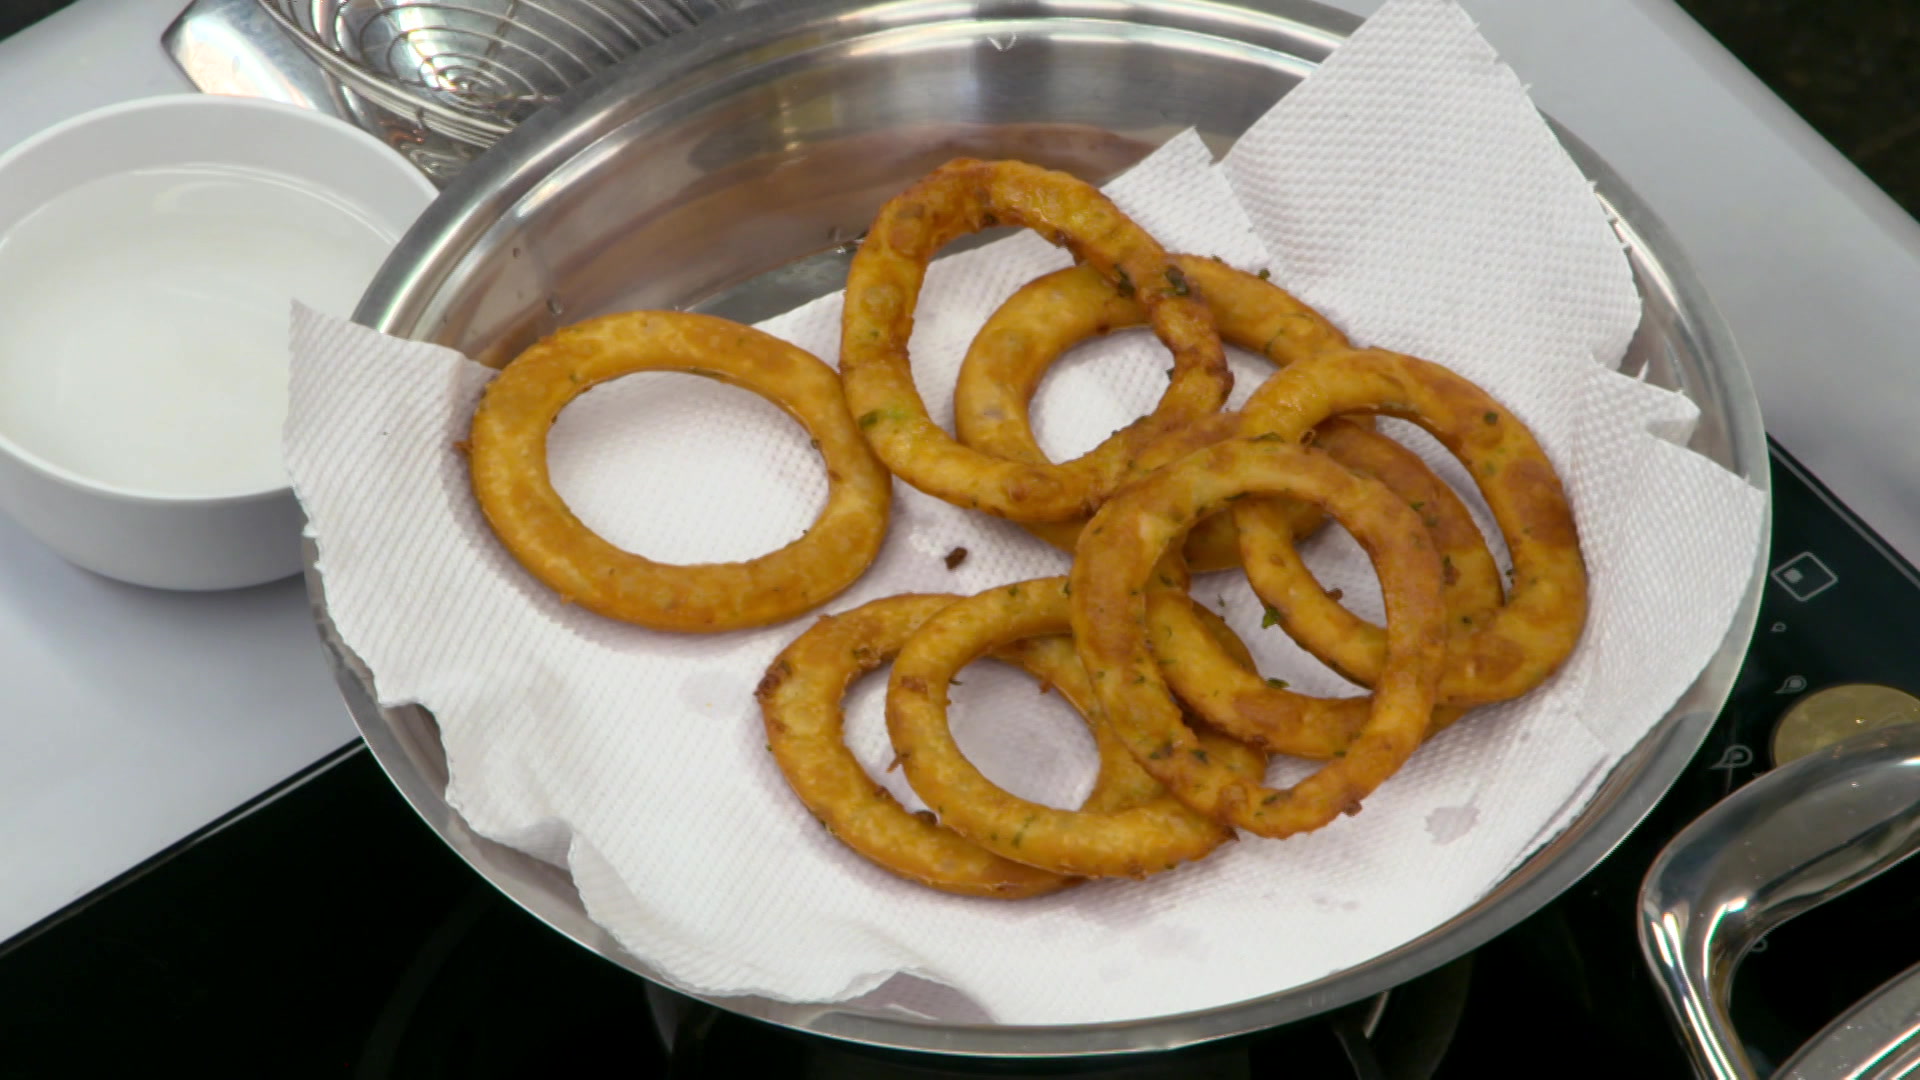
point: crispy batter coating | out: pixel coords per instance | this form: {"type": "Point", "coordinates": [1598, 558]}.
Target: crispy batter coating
{"type": "Point", "coordinates": [1136, 841]}
{"type": "Point", "coordinates": [1492, 657]}
{"type": "Point", "coordinates": [1114, 567]}
{"type": "Point", "coordinates": [1050, 315]}
{"type": "Point", "coordinates": [883, 288]}
{"type": "Point", "coordinates": [508, 460]}
{"type": "Point", "coordinates": [1234, 697]}
{"type": "Point", "coordinates": [800, 703]}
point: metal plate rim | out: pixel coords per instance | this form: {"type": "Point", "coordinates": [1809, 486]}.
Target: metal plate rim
{"type": "Point", "coordinates": [1656, 762]}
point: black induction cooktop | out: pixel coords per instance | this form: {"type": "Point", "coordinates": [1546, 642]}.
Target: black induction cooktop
{"type": "Point", "coordinates": [323, 930]}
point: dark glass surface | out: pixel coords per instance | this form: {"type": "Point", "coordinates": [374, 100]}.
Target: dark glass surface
{"type": "Point", "coordinates": [1851, 68]}
{"type": "Point", "coordinates": [17, 15]}
{"type": "Point", "coordinates": [327, 932]}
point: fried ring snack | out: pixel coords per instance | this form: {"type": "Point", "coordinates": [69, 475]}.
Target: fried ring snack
{"type": "Point", "coordinates": [508, 460]}
{"type": "Point", "coordinates": [1133, 842]}
{"type": "Point", "coordinates": [883, 287]}
{"type": "Point", "coordinates": [800, 705]}
{"type": "Point", "coordinates": [1514, 647]}
{"type": "Point", "coordinates": [1048, 316]}
{"type": "Point", "coordinates": [1229, 694]}
{"type": "Point", "coordinates": [1114, 565]}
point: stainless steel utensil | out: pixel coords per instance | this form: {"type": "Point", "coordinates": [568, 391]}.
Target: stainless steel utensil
{"type": "Point", "coordinates": [471, 69]}
{"type": "Point", "coordinates": [724, 173]}
{"type": "Point", "coordinates": [1786, 843]}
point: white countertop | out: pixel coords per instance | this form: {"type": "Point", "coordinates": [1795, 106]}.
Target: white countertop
{"type": "Point", "coordinates": [133, 717]}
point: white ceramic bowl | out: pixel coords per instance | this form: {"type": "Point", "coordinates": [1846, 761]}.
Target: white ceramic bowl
{"type": "Point", "coordinates": [150, 253]}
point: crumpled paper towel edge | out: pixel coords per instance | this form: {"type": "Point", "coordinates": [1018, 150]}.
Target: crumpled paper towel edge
{"type": "Point", "coordinates": [344, 635]}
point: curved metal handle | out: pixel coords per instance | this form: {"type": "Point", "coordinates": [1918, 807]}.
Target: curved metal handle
{"type": "Point", "coordinates": [1878, 1039]}
{"type": "Point", "coordinates": [1784, 844]}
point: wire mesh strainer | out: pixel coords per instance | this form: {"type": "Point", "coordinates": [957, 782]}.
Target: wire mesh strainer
{"type": "Point", "coordinates": [469, 70]}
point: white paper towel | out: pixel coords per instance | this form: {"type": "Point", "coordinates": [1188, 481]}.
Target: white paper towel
{"type": "Point", "coordinates": [1411, 192]}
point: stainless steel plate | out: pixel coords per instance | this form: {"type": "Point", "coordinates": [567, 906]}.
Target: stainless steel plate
{"type": "Point", "coordinates": [718, 173]}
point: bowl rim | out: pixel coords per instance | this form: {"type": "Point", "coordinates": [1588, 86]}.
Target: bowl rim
{"type": "Point", "coordinates": [191, 104]}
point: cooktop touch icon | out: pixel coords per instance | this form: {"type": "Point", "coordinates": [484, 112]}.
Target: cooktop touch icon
{"type": "Point", "coordinates": [1804, 576]}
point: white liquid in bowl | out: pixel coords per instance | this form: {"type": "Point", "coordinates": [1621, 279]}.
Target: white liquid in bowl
{"type": "Point", "coordinates": [143, 323]}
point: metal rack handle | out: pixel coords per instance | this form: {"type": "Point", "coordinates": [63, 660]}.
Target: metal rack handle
{"type": "Point", "coordinates": [329, 32]}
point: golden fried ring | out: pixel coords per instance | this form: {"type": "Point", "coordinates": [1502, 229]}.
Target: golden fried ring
{"type": "Point", "coordinates": [1115, 563]}
{"type": "Point", "coordinates": [1050, 315]}
{"type": "Point", "coordinates": [800, 704]}
{"type": "Point", "coordinates": [1225, 690]}
{"type": "Point", "coordinates": [1134, 842]}
{"type": "Point", "coordinates": [510, 480]}
{"type": "Point", "coordinates": [1495, 657]}
{"type": "Point", "coordinates": [1232, 696]}
{"type": "Point", "coordinates": [883, 287]}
